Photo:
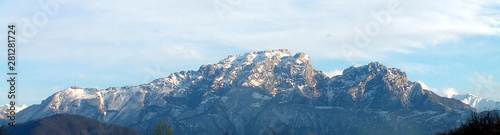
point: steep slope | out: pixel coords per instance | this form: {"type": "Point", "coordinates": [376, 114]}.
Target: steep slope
{"type": "Point", "coordinates": [257, 92]}
{"type": "Point", "coordinates": [71, 100]}
{"type": "Point", "coordinates": [65, 124]}
{"type": "Point", "coordinates": [477, 102]}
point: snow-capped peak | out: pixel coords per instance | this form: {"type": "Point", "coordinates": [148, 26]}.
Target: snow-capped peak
{"type": "Point", "coordinates": [78, 93]}
{"type": "Point", "coordinates": [477, 102]}
{"type": "Point", "coordinates": [254, 68]}
{"type": "Point", "coordinates": [253, 57]}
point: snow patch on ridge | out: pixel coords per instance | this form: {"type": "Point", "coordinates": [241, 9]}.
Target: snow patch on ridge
{"type": "Point", "coordinates": [78, 93]}
{"type": "Point", "coordinates": [257, 95]}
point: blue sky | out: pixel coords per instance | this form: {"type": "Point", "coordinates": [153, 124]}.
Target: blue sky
{"type": "Point", "coordinates": [450, 46]}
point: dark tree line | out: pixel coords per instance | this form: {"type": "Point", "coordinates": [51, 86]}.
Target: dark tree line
{"type": "Point", "coordinates": [163, 128]}
{"type": "Point", "coordinates": [485, 123]}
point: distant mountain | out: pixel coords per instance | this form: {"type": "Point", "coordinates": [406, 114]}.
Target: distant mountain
{"type": "Point", "coordinates": [477, 102]}
{"type": "Point", "coordinates": [263, 92]}
{"type": "Point", "coordinates": [4, 110]}
{"type": "Point", "coordinates": [18, 108]}
{"type": "Point", "coordinates": [66, 124]}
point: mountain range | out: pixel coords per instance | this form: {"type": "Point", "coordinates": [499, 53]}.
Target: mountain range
{"type": "Point", "coordinates": [479, 103]}
{"type": "Point", "coordinates": [5, 112]}
{"type": "Point", "coordinates": [265, 92]}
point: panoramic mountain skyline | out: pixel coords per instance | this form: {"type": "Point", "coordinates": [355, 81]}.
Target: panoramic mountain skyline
{"type": "Point", "coordinates": [249, 66]}
{"type": "Point", "coordinates": [262, 92]}
{"type": "Point", "coordinates": [449, 47]}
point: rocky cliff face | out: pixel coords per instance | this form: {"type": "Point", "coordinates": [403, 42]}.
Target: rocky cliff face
{"type": "Point", "coordinates": [375, 86]}
{"type": "Point", "coordinates": [263, 92]}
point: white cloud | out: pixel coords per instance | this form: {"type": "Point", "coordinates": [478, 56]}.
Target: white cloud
{"type": "Point", "coordinates": [81, 75]}
{"type": "Point", "coordinates": [486, 86]}
{"type": "Point", "coordinates": [334, 73]}
{"type": "Point", "coordinates": [183, 52]}
{"type": "Point", "coordinates": [446, 92]}
{"type": "Point", "coordinates": [322, 26]}
{"type": "Point", "coordinates": [56, 88]}
{"type": "Point", "coordinates": [130, 35]}
{"type": "Point", "coordinates": [449, 92]}
{"type": "Point", "coordinates": [419, 68]}
{"type": "Point", "coordinates": [424, 86]}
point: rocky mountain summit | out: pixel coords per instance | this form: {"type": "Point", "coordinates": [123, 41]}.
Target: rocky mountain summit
{"type": "Point", "coordinates": [263, 92]}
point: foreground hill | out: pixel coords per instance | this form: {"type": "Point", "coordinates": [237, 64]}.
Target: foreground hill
{"type": "Point", "coordinates": [263, 92]}
{"type": "Point", "coordinates": [66, 124]}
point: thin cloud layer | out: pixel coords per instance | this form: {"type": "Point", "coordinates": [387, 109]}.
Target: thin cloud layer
{"type": "Point", "coordinates": [98, 38]}
{"type": "Point", "coordinates": [329, 29]}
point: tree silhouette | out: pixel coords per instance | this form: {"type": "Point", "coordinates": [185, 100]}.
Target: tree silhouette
{"type": "Point", "coordinates": [3, 129]}
{"type": "Point", "coordinates": [485, 123]}
{"type": "Point", "coordinates": [163, 128]}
